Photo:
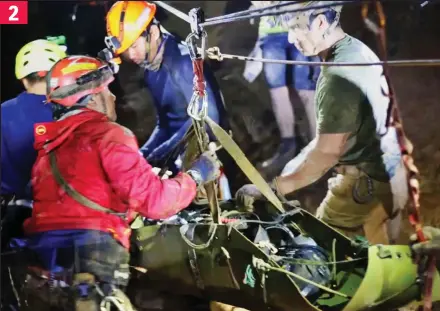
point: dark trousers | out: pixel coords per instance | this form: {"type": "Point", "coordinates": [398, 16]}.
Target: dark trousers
{"type": "Point", "coordinates": [83, 251]}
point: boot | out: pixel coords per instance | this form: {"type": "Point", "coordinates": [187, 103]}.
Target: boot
{"type": "Point", "coordinates": [85, 295]}
{"type": "Point", "coordinates": [118, 299]}
{"type": "Point", "coordinates": [286, 151]}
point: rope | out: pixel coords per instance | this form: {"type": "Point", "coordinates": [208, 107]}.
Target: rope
{"type": "Point", "coordinates": [175, 11]}
{"type": "Point", "coordinates": [261, 265]}
{"type": "Point", "coordinates": [214, 53]}
{"type": "Point", "coordinates": [254, 10]}
{"type": "Point", "coordinates": [307, 262]}
{"type": "Point", "coordinates": [406, 147]}
{"type": "Point", "coordinates": [272, 12]}
{"type": "Point", "coordinates": [183, 229]}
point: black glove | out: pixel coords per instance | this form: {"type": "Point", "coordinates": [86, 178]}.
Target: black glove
{"type": "Point", "coordinates": [246, 196]}
{"type": "Point", "coordinates": [205, 169]}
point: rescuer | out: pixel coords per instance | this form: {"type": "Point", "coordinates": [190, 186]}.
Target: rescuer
{"type": "Point", "coordinates": [352, 136]}
{"type": "Point", "coordinates": [90, 181]}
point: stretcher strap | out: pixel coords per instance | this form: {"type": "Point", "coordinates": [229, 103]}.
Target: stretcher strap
{"type": "Point", "coordinates": [244, 164]}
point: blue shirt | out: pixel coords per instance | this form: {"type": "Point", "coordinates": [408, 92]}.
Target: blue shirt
{"type": "Point", "coordinates": [171, 88]}
{"type": "Point", "coordinates": [18, 116]}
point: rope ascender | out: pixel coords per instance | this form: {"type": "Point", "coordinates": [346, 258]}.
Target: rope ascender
{"type": "Point", "coordinates": [406, 147]}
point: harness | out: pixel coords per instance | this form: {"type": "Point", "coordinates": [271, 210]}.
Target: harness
{"type": "Point", "coordinates": [78, 197]}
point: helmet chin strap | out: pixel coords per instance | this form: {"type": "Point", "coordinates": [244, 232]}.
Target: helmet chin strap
{"type": "Point", "coordinates": [154, 65]}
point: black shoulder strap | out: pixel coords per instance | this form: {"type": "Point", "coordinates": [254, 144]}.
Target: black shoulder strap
{"type": "Point", "coordinates": [75, 194]}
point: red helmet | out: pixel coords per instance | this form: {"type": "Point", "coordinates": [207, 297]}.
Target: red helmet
{"type": "Point", "coordinates": [74, 77]}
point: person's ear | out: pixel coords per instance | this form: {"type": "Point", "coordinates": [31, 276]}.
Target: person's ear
{"type": "Point", "coordinates": [93, 102]}
{"type": "Point", "coordinates": [322, 22]}
{"type": "Point", "coordinates": [26, 83]}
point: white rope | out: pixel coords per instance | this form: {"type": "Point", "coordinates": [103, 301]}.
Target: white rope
{"type": "Point", "coordinates": [214, 53]}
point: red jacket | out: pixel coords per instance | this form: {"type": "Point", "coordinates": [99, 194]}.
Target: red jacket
{"type": "Point", "coordinates": [100, 160]}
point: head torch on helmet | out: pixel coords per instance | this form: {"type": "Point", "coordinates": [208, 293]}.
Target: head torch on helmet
{"type": "Point", "coordinates": [74, 77]}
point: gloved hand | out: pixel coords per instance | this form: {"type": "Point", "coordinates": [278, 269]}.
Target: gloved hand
{"type": "Point", "coordinates": [206, 168]}
{"type": "Point", "coordinates": [246, 196]}
{"type": "Point", "coordinates": [430, 247]}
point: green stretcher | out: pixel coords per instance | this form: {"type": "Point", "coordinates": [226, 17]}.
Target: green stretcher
{"type": "Point", "coordinates": [218, 263]}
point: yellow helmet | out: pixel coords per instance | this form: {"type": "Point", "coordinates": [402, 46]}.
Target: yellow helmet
{"type": "Point", "coordinates": [37, 56]}
{"type": "Point", "coordinates": [126, 21]}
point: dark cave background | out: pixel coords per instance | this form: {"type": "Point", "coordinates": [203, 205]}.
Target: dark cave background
{"type": "Point", "coordinates": [413, 32]}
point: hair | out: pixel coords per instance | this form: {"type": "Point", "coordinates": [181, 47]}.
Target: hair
{"type": "Point", "coordinates": [34, 78]}
{"type": "Point", "coordinates": [330, 15]}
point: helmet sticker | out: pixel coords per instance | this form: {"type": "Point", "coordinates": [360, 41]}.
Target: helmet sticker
{"type": "Point", "coordinates": [78, 67]}
{"type": "Point", "coordinates": [143, 17]}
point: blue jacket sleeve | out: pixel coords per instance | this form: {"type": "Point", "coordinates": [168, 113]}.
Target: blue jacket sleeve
{"type": "Point", "coordinates": [186, 87]}
{"type": "Point", "coordinates": [158, 136]}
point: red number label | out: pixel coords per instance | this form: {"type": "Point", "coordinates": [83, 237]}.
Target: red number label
{"type": "Point", "coordinates": [13, 12]}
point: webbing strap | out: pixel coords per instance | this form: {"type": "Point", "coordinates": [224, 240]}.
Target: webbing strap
{"type": "Point", "coordinates": [244, 164]}
{"type": "Point", "coordinates": [73, 193]}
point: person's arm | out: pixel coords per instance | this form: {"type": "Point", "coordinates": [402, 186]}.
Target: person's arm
{"type": "Point", "coordinates": [318, 161]}
{"type": "Point", "coordinates": [186, 88]}
{"type": "Point", "coordinates": [135, 182]}
{"type": "Point", "coordinates": [157, 137]}
{"type": "Point", "coordinates": [338, 113]}
{"type": "Point", "coordinates": [167, 145]}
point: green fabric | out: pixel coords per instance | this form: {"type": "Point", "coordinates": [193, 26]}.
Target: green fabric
{"type": "Point", "coordinates": [344, 100]}
{"type": "Point", "coordinates": [270, 25]}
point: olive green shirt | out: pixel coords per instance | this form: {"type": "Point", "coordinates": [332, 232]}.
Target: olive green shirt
{"type": "Point", "coordinates": [352, 100]}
